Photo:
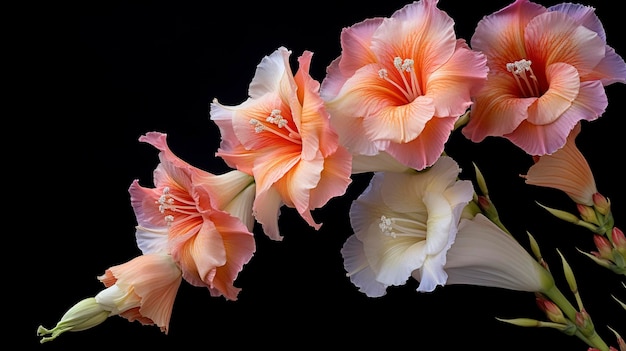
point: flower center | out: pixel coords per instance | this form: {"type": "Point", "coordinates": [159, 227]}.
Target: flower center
{"type": "Point", "coordinates": [410, 86]}
{"type": "Point", "coordinates": [525, 77]}
{"type": "Point", "coordinates": [402, 227]}
{"type": "Point", "coordinates": [277, 125]}
{"type": "Point", "coordinates": [170, 204]}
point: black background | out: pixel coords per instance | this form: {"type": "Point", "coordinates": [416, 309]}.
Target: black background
{"type": "Point", "coordinates": [101, 75]}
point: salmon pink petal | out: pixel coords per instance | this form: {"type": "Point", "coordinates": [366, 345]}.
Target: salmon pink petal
{"type": "Point", "coordinates": [564, 86]}
{"type": "Point", "coordinates": [355, 40]}
{"type": "Point", "coordinates": [270, 167]}
{"type": "Point", "coordinates": [497, 109]}
{"type": "Point", "coordinates": [452, 85]}
{"type": "Point", "coordinates": [266, 210]}
{"type": "Point", "coordinates": [199, 255]}
{"type": "Point", "coordinates": [425, 149]}
{"type": "Point", "coordinates": [155, 279]}
{"type": "Point", "coordinates": [430, 48]}
{"type": "Point", "coordinates": [565, 41]}
{"type": "Point", "coordinates": [566, 170]}
{"type": "Point", "coordinates": [399, 124]}
{"type": "Point", "coordinates": [591, 102]}
{"type": "Point", "coordinates": [239, 246]}
{"type": "Point", "coordinates": [500, 36]}
{"type": "Point", "coordinates": [334, 179]}
{"type": "Point", "coordinates": [352, 135]}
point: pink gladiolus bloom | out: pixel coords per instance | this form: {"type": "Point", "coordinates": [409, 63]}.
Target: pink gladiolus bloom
{"type": "Point", "coordinates": [566, 170]}
{"type": "Point", "coordinates": [547, 71]}
{"type": "Point", "coordinates": [401, 83]}
{"type": "Point", "coordinates": [142, 289]}
{"type": "Point", "coordinates": [282, 136]}
{"type": "Point", "coordinates": [184, 215]}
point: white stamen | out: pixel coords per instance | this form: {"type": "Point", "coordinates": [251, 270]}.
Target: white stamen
{"type": "Point", "coordinates": [397, 227]}
{"type": "Point", "coordinates": [278, 120]}
{"type": "Point", "coordinates": [411, 89]}
{"type": "Point", "coordinates": [519, 69]}
{"type": "Point", "coordinates": [169, 204]}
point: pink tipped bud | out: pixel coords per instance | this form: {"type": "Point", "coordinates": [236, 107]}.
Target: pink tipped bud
{"type": "Point", "coordinates": [601, 203]}
{"type": "Point", "coordinates": [605, 249]}
{"type": "Point", "coordinates": [588, 214]}
{"type": "Point", "coordinates": [619, 240]}
{"type": "Point", "coordinates": [552, 311]}
{"type": "Point", "coordinates": [584, 323]}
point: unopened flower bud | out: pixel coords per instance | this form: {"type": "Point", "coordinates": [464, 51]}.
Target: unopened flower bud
{"type": "Point", "coordinates": [619, 240]}
{"type": "Point", "coordinates": [552, 311]}
{"type": "Point", "coordinates": [584, 323]}
{"type": "Point", "coordinates": [83, 315]}
{"type": "Point", "coordinates": [605, 249]}
{"type": "Point", "coordinates": [601, 203]}
{"type": "Point", "coordinates": [588, 214]}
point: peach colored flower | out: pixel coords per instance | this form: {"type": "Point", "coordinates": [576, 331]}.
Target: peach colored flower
{"type": "Point", "coordinates": [142, 289]}
{"type": "Point", "coordinates": [405, 222]}
{"type": "Point", "coordinates": [184, 215]}
{"type": "Point", "coordinates": [566, 170]}
{"type": "Point", "coordinates": [401, 83]}
{"type": "Point", "coordinates": [547, 70]}
{"type": "Point", "coordinates": [281, 135]}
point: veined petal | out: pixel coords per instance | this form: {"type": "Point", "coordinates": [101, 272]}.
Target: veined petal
{"type": "Point", "coordinates": [566, 170]}
{"type": "Point", "coordinates": [500, 35]}
{"type": "Point", "coordinates": [484, 255]}
{"type": "Point", "coordinates": [200, 255]}
{"type": "Point", "coordinates": [583, 15]}
{"type": "Point", "coordinates": [223, 188]}
{"type": "Point", "coordinates": [266, 210]}
{"type": "Point", "coordinates": [334, 178]}
{"type": "Point", "coordinates": [456, 81]}
{"type": "Point", "coordinates": [418, 30]}
{"type": "Point", "coordinates": [268, 75]}
{"type": "Point", "coordinates": [541, 140]}
{"type": "Point", "coordinates": [399, 124]}
{"type": "Point", "coordinates": [426, 149]}
{"type": "Point", "coordinates": [239, 245]}
{"type": "Point", "coordinates": [612, 69]}
{"type": "Point", "coordinates": [497, 109]}
{"type": "Point", "coordinates": [564, 84]}
{"type": "Point", "coordinates": [555, 37]}
{"type": "Point", "coordinates": [359, 270]}
{"type": "Point", "coordinates": [154, 279]}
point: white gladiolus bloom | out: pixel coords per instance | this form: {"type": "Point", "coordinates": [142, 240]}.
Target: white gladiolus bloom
{"type": "Point", "coordinates": [405, 222]}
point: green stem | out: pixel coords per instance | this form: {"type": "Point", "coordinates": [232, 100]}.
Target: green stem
{"type": "Point", "coordinates": [556, 296]}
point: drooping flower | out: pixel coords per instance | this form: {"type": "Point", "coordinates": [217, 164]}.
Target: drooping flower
{"type": "Point", "coordinates": [185, 215]}
{"type": "Point", "coordinates": [142, 289]}
{"type": "Point", "coordinates": [401, 83]}
{"type": "Point", "coordinates": [404, 222]}
{"type": "Point", "coordinates": [566, 170]}
{"type": "Point", "coordinates": [281, 135]}
{"type": "Point", "coordinates": [547, 71]}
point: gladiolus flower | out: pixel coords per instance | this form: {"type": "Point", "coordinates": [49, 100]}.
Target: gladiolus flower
{"type": "Point", "coordinates": [566, 170]}
{"type": "Point", "coordinates": [185, 215]}
{"type": "Point", "coordinates": [405, 222]}
{"type": "Point", "coordinates": [401, 83]}
{"type": "Point", "coordinates": [547, 71]}
{"type": "Point", "coordinates": [142, 289]}
{"type": "Point", "coordinates": [282, 136]}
